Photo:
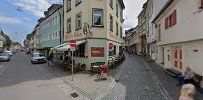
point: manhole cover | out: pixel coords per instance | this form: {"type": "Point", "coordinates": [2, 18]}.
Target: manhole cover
{"type": "Point", "coordinates": [74, 95]}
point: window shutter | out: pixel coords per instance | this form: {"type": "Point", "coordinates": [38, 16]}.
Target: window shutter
{"type": "Point", "coordinates": [200, 4]}
{"type": "Point", "coordinates": [174, 17]}
{"type": "Point", "coordinates": [166, 22]}
{"type": "Point", "coordinates": [201, 7]}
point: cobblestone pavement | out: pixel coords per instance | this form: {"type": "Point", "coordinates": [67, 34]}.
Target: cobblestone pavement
{"type": "Point", "coordinates": [141, 80]}
{"type": "Point", "coordinates": [83, 83]}
{"type": "Point", "coordinates": [168, 82]}
{"type": "Point", "coordinates": [136, 82]}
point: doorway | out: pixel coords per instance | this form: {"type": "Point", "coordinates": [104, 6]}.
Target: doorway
{"type": "Point", "coordinates": [178, 58]}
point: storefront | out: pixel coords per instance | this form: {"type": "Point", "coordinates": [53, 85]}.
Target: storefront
{"type": "Point", "coordinates": [92, 51]}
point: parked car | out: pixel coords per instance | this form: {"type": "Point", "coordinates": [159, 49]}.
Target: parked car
{"type": "Point", "coordinates": [9, 52]}
{"type": "Point", "coordinates": [38, 58]}
{"type": "Point", "coordinates": [4, 57]}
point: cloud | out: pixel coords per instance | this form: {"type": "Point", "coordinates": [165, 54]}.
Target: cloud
{"type": "Point", "coordinates": [26, 18]}
{"type": "Point", "coordinates": [35, 7]}
{"type": "Point", "coordinates": [132, 10]}
{"type": "Point", "coordinates": [10, 20]}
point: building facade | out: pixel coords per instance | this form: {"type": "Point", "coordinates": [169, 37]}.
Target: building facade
{"type": "Point", "coordinates": [180, 37]}
{"type": "Point", "coordinates": [49, 31]}
{"type": "Point", "coordinates": [152, 9]}
{"type": "Point", "coordinates": [131, 40]}
{"type": "Point", "coordinates": [142, 44]}
{"type": "Point", "coordinates": [94, 24]}
{"type": "Point", "coordinates": [2, 40]}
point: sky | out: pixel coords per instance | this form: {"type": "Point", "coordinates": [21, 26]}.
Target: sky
{"type": "Point", "coordinates": [17, 24]}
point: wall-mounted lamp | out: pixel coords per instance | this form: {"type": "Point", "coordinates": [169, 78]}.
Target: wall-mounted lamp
{"type": "Point", "coordinates": [195, 50]}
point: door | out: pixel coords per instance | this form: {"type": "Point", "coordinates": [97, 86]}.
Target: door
{"type": "Point", "coordinates": [178, 58]}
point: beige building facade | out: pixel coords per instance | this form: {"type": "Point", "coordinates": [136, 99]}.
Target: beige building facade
{"type": "Point", "coordinates": [180, 36]}
{"type": "Point", "coordinates": [94, 24]}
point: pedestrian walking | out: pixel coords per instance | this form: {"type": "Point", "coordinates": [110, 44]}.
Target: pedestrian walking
{"type": "Point", "coordinates": [188, 92]}
{"type": "Point", "coordinates": [50, 57]}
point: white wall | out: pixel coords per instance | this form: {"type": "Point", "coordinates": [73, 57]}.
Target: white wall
{"type": "Point", "coordinates": [194, 59]}
{"type": "Point", "coordinates": [189, 22]}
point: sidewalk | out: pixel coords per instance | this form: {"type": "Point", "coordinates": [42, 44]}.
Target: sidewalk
{"type": "Point", "coordinates": [83, 83]}
{"type": "Point", "coordinates": [168, 82]}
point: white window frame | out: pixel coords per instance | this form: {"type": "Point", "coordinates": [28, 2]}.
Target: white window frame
{"type": "Point", "coordinates": [93, 15]}
{"type": "Point", "coordinates": [68, 25]}
{"type": "Point", "coordinates": [68, 5]}
{"type": "Point", "coordinates": [78, 18]}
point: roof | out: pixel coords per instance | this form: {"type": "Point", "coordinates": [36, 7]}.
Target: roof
{"type": "Point", "coordinates": [59, 7]}
{"type": "Point", "coordinates": [54, 5]}
{"type": "Point", "coordinates": [168, 3]}
{"type": "Point", "coordinates": [122, 4]}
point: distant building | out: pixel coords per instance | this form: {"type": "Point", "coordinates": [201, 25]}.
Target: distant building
{"type": "Point", "coordinates": [16, 46]}
{"type": "Point", "coordinates": [142, 44]}
{"type": "Point", "coordinates": [48, 33]}
{"type": "Point", "coordinates": [28, 43]}
{"type": "Point", "coordinates": [2, 40]}
{"type": "Point", "coordinates": [131, 40]}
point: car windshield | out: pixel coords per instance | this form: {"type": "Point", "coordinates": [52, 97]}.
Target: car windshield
{"type": "Point", "coordinates": [3, 54]}
{"type": "Point", "coordinates": [38, 55]}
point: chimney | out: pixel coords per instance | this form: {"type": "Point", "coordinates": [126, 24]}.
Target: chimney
{"type": "Point", "coordinates": [46, 13]}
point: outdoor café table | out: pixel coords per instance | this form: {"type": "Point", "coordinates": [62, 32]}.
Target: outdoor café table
{"type": "Point", "coordinates": [95, 69]}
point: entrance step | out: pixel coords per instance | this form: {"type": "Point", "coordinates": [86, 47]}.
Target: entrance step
{"type": "Point", "coordinates": [172, 72]}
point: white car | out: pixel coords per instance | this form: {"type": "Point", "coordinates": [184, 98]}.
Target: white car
{"type": "Point", "coordinates": [9, 52]}
{"type": "Point", "coordinates": [38, 58]}
{"type": "Point", "coordinates": [4, 57]}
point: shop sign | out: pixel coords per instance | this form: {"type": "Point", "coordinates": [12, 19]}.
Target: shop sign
{"type": "Point", "coordinates": [97, 51]}
{"type": "Point", "coordinates": [72, 49]}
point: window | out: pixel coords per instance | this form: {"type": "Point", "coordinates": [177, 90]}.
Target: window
{"type": "Point", "coordinates": [68, 5]}
{"type": "Point", "coordinates": [117, 8]}
{"type": "Point", "coordinates": [171, 20]}
{"type": "Point", "coordinates": [111, 23]}
{"type": "Point", "coordinates": [159, 32]}
{"type": "Point", "coordinates": [77, 2]}
{"type": "Point", "coordinates": [80, 51]}
{"type": "Point", "coordinates": [121, 32]}
{"type": "Point", "coordinates": [78, 21]}
{"type": "Point", "coordinates": [56, 19]}
{"type": "Point", "coordinates": [97, 17]}
{"type": "Point", "coordinates": [166, 22]}
{"type": "Point", "coordinates": [58, 35]}
{"type": "Point", "coordinates": [52, 36]}
{"type": "Point", "coordinates": [121, 15]}
{"type": "Point", "coordinates": [117, 28]}
{"type": "Point", "coordinates": [111, 3]}
{"type": "Point", "coordinates": [69, 25]}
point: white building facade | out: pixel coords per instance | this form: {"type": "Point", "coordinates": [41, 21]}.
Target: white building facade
{"type": "Point", "coordinates": [153, 8]}
{"type": "Point", "coordinates": [180, 36]}
{"type": "Point", "coordinates": [94, 24]}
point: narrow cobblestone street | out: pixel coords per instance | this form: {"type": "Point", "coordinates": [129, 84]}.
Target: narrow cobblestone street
{"type": "Point", "coordinates": [141, 80]}
{"type": "Point", "coordinates": [135, 82]}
